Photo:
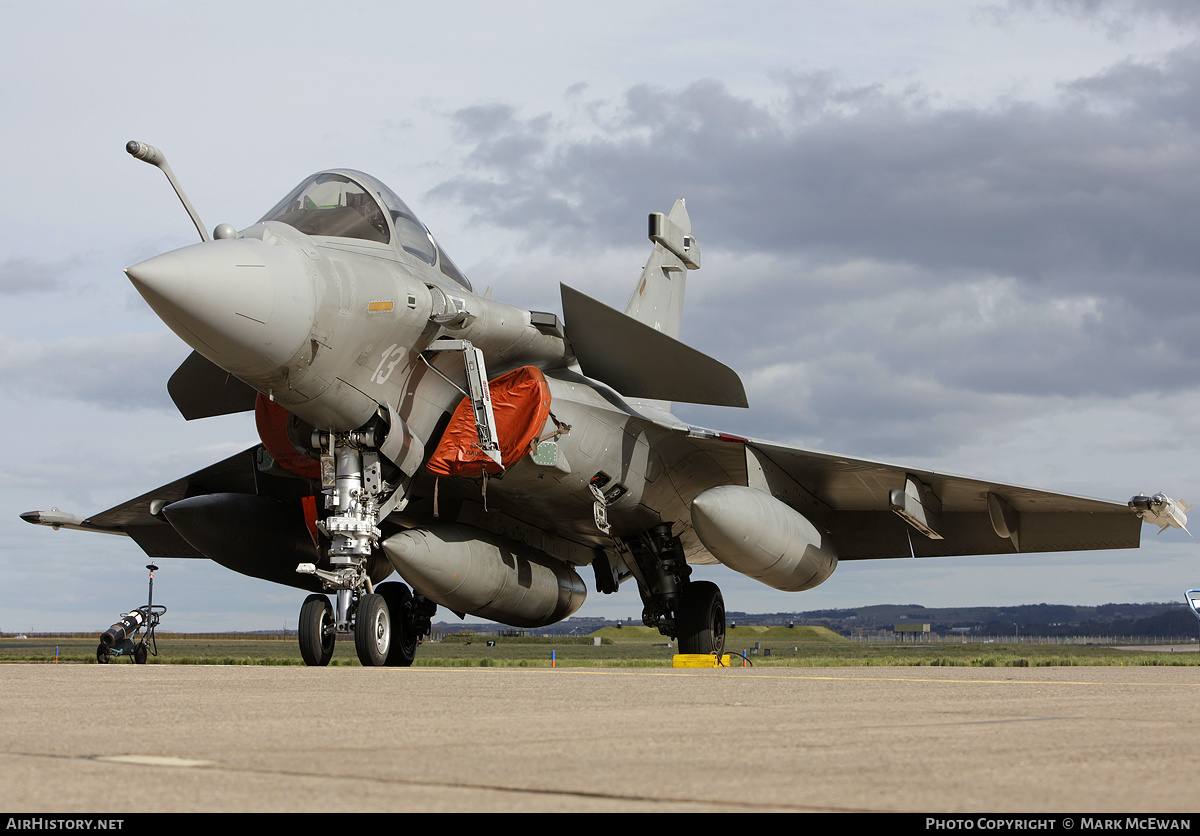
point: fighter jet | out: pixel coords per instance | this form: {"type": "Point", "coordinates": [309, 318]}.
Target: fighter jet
{"type": "Point", "coordinates": [487, 454]}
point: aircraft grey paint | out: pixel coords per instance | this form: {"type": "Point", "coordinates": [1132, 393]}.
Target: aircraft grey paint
{"type": "Point", "coordinates": [338, 317]}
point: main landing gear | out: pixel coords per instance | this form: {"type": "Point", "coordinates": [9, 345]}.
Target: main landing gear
{"type": "Point", "coordinates": [692, 612]}
{"type": "Point", "coordinates": [700, 621]}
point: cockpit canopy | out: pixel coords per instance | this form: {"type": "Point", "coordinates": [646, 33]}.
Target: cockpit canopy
{"type": "Point", "coordinates": [350, 204]}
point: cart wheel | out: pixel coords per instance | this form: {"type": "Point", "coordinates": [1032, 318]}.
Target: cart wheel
{"type": "Point", "coordinates": [102, 654]}
{"type": "Point", "coordinates": [140, 653]}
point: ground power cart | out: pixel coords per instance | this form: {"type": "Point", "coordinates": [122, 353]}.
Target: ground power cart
{"type": "Point", "coordinates": [122, 639]}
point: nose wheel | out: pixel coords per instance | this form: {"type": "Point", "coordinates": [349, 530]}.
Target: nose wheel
{"type": "Point", "coordinates": [400, 606]}
{"type": "Point", "coordinates": [317, 630]}
{"type": "Point", "coordinates": [372, 631]}
{"type": "Point", "coordinates": [385, 628]}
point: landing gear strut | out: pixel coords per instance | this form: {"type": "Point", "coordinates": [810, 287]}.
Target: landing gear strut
{"type": "Point", "coordinates": [693, 612]}
{"type": "Point", "coordinates": [386, 622]}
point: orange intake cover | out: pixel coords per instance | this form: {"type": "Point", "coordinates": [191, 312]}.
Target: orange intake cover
{"type": "Point", "coordinates": [521, 404]}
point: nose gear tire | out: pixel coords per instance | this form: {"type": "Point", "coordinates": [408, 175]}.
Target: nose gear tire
{"type": "Point", "coordinates": [404, 639]}
{"type": "Point", "coordinates": [372, 631]}
{"type": "Point", "coordinates": [317, 631]}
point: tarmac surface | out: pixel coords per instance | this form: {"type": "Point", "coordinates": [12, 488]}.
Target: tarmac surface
{"type": "Point", "coordinates": [144, 738]}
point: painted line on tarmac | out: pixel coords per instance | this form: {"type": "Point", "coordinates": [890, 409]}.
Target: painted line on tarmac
{"type": "Point", "coordinates": [153, 760]}
{"type": "Point", "coordinates": [722, 803]}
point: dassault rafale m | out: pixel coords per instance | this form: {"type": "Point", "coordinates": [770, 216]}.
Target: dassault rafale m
{"type": "Point", "coordinates": [487, 454]}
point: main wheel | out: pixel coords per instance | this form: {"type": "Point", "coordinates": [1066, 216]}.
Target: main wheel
{"type": "Point", "coordinates": [317, 629]}
{"type": "Point", "coordinates": [404, 641]}
{"type": "Point", "coordinates": [372, 631]}
{"type": "Point", "coordinates": [140, 654]}
{"type": "Point", "coordinates": [103, 655]}
{"type": "Point", "coordinates": [701, 618]}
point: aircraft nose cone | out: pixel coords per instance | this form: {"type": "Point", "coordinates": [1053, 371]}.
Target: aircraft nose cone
{"type": "Point", "coordinates": [245, 305]}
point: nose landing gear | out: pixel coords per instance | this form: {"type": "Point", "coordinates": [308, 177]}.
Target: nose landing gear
{"type": "Point", "coordinates": [386, 622]}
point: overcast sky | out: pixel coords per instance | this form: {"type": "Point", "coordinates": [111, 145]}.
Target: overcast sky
{"type": "Point", "coordinates": [954, 235]}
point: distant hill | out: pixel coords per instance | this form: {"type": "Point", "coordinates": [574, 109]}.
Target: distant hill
{"type": "Point", "coordinates": [740, 633]}
{"type": "Point", "coordinates": [1148, 619]}
{"type": "Point", "coordinates": [800, 633]}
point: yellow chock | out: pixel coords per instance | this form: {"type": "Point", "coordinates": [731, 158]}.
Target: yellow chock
{"type": "Point", "coordinates": [699, 660]}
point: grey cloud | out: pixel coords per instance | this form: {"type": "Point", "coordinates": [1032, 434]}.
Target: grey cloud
{"type": "Point", "coordinates": [889, 277]}
{"type": "Point", "coordinates": [501, 139]}
{"type": "Point", "coordinates": [1116, 16]}
{"type": "Point", "coordinates": [1164, 95]}
{"type": "Point", "coordinates": [688, 116]}
{"type": "Point", "coordinates": [478, 122]}
{"type": "Point", "coordinates": [849, 362]}
{"type": "Point", "coordinates": [25, 275]}
{"type": "Point", "coordinates": [119, 372]}
{"type": "Point", "coordinates": [1077, 192]}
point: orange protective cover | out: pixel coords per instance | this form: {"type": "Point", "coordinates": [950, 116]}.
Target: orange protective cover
{"type": "Point", "coordinates": [521, 404]}
{"type": "Point", "coordinates": [272, 420]}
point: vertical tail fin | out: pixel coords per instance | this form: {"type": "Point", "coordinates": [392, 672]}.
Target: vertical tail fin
{"type": "Point", "coordinates": [657, 300]}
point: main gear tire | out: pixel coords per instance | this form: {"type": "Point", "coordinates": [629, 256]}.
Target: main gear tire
{"type": "Point", "coordinates": [318, 631]}
{"type": "Point", "coordinates": [701, 619]}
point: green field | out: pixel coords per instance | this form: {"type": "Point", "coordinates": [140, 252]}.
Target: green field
{"type": "Point", "coordinates": [623, 647]}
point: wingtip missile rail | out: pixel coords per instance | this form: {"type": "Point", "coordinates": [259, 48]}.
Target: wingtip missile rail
{"type": "Point", "coordinates": [1161, 510]}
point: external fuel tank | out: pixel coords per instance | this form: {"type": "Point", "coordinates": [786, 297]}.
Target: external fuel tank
{"type": "Point", "coordinates": [472, 571]}
{"type": "Point", "coordinates": [753, 533]}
